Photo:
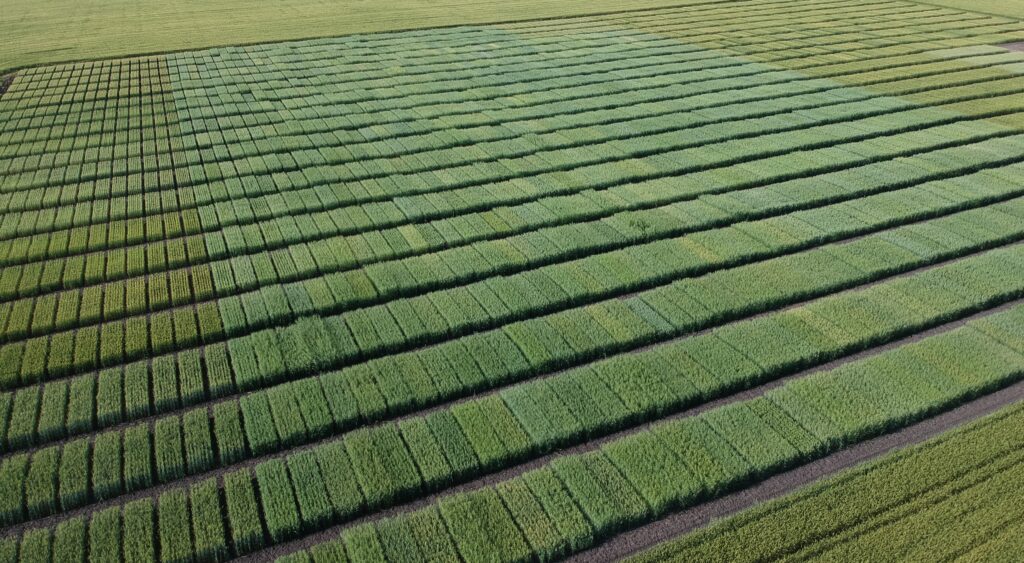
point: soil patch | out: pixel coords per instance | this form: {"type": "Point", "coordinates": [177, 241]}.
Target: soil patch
{"type": "Point", "coordinates": [1018, 46]}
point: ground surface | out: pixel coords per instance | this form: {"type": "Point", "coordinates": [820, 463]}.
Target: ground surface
{"type": "Point", "coordinates": [521, 289]}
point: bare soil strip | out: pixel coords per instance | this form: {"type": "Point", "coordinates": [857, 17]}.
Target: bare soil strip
{"type": "Point", "coordinates": [782, 484]}
{"type": "Point", "coordinates": [634, 540]}
{"type": "Point", "coordinates": [1018, 46]}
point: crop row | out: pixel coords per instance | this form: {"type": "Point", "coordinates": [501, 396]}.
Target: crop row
{"type": "Point", "coordinates": [211, 217]}
{"type": "Point", "coordinates": [198, 171]}
{"type": "Point", "coordinates": [680, 463]}
{"type": "Point", "coordinates": [457, 116]}
{"type": "Point", "coordinates": [949, 526]}
{"type": "Point", "coordinates": [423, 207]}
{"type": "Point", "coordinates": [498, 114]}
{"type": "Point", "coordinates": [62, 85]}
{"type": "Point", "coordinates": [132, 127]}
{"type": "Point", "coordinates": [10, 279]}
{"type": "Point", "coordinates": [803, 94]}
{"type": "Point", "coordinates": [659, 381]}
{"type": "Point", "coordinates": [476, 43]}
{"type": "Point", "coordinates": [239, 102]}
{"type": "Point", "coordinates": [577, 499]}
{"type": "Point", "coordinates": [325, 342]}
{"type": "Point", "coordinates": [901, 489]}
{"type": "Point", "coordinates": [486, 45]}
{"type": "Point", "coordinates": [263, 148]}
{"type": "Point", "coordinates": [236, 278]}
{"type": "Point", "coordinates": [119, 273]}
{"type": "Point", "coordinates": [559, 96]}
{"type": "Point", "coordinates": [760, 38]}
{"type": "Point", "coordinates": [38, 120]}
{"type": "Point", "coordinates": [739, 101]}
{"type": "Point", "coordinates": [115, 207]}
{"type": "Point", "coordinates": [383, 281]}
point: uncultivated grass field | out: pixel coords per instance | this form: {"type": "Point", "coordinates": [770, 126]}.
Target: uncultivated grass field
{"type": "Point", "coordinates": [496, 292]}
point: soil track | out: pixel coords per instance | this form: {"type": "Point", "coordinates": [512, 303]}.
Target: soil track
{"type": "Point", "coordinates": [782, 484]}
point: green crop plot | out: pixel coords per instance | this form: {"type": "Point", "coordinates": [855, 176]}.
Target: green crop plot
{"type": "Point", "coordinates": [944, 498]}
{"type": "Point", "coordinates": [524, 287]}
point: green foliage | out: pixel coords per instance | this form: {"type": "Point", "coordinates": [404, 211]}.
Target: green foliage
{"type": "Point", "coordinates": [258, 423]}
{"type": "Point", "coordinates": [207, 523]}
{"type": "Point", "coordinates": [169, 447]}
{"type": "Point", "coordinates": [175, 530]}
{"type": "Point", "coordinates": [227, 430]}
{"type": "Point", "coordinates": [382, 464]}
{"type": "Point", "coordinates": [278, 500]}
{"type": "Point", "coordinates": [107, 458]}
{"type": "Point", "coordinates": [310, 491]}
{"type": "Point", "coordinates": [899, 485]}
{"type": "Point", "coordinates": [243, 512]}
{"type": "Point", "coordinates": [73, 475]}
{"type": "Point", "coordinates": [199, 454]}
{"type": "Point", "coordinates": [41, 482]}
{"type": "Point", "coordinates": [12, 476]}
{"type": "Point", "coordinates": [138, 531]}
{"type": "Point", "coordinates": [69, 540]}
{"type": "Point", "coordinates": [105, 535]}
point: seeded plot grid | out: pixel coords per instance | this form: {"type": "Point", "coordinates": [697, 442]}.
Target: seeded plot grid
{"type": "Point", "coordinates": [253, 296]}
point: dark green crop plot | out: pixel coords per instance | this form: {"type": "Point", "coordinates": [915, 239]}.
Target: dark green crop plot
{"type": "Point", "coordinates": [497, 292]}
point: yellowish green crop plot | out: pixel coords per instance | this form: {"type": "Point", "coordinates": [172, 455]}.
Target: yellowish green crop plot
{"type": "Point", "coordinates": [521, 288]}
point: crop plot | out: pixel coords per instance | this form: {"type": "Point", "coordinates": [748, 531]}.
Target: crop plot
{"type": "Point", "coordinates": [251, 298]}
{"type": "Point", "coordinates": [951, 488]}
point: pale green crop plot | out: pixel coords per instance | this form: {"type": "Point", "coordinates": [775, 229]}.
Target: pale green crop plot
{"type": "Point", "coordinates": [251, 295]}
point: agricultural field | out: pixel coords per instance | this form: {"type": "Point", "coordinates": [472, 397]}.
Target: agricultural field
{"type": "Point", "coordinates": [517, 291]}
{"type": "Point", "coordinates": [945, 499]}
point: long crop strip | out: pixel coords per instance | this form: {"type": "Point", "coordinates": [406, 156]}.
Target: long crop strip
{"type": "Point", "coordinates": [946, 490]}
{"type": "Point", "coordinates": [251, 298]}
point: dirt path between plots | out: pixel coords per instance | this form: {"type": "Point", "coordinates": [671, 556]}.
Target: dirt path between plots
{"type": "Point", "coordinates": [646, 536]}
{"type": "Point", "coordinates": [1018, 46]}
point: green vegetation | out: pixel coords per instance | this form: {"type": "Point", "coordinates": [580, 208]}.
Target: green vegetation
{"type": "Point", "coordinates": [102, 29]}
{"type": "Point", "coordinates": [501, 283]}
{"type": "Point", "coordinates": [997, 7]}
{"type": "Point", "coordinates": [654, 468]}
{"type": "Point", "coordinates": [950, 495]}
